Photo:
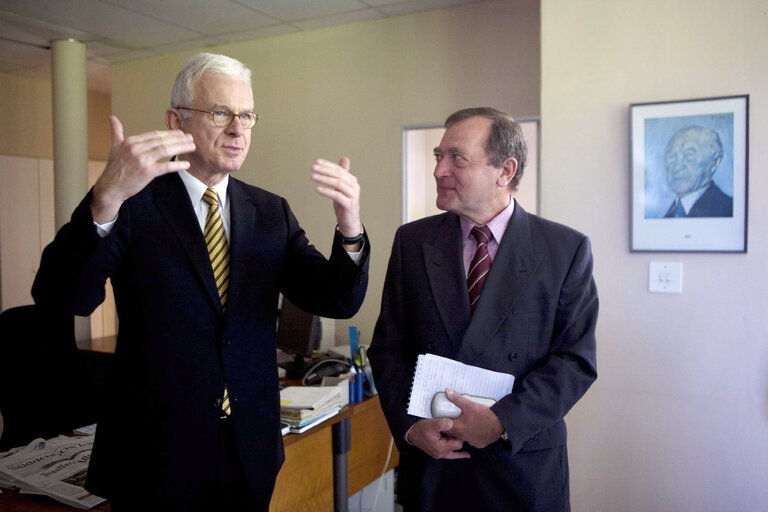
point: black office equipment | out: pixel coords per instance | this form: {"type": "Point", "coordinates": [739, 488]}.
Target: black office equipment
{"type": "Point", "coordinates": [47, 386]}
{"type": "Point", "coordinates": [299, 334]}
{"type": "Point", "coordinates": [328, 367]}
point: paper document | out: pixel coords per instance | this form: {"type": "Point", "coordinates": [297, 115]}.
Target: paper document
{"type": "Point", "coordinates": [308, 397]}
{"type": "Point", "coordinates": [56, 468]}
{"type": "Point", "coordinates": [434, 373]}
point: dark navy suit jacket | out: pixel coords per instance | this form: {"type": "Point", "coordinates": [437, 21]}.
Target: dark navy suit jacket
{"type": "Point", "coordinates": [176, 346]}
{"type": "Point", "coordinates": [535, 319]}
{"type": "Point", "coordinates": [712, 203]}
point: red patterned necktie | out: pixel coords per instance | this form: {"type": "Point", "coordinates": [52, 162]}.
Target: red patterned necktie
{"type": "Point", "coordinates": [480, 266]}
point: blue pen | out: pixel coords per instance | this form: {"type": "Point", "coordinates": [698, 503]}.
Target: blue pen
{"type": "Point", "coordinates": [353, 385]}
{"type": "Point", "coordinates": [352, 341]}
{"type": "Point", "coordinates": [359, 386]}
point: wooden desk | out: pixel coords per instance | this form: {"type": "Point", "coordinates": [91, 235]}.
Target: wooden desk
{"type": "Point", "coordinates": [305, 482]}
{"type": "Point", "coordinates": [103, 344]}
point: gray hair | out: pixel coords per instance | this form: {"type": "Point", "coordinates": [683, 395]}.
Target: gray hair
{"type": "Point", "coordinates": [183, 92]}
{"type": "Point", "coordinates": [505, 140]}
{"type": "Point", "coordinates": [702, 135]}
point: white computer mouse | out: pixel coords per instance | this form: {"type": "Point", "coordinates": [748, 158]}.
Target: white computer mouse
{"type": "Point", "coordinates": [444, 408]}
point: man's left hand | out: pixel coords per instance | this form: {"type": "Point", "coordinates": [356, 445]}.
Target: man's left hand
{"type": "Point", "coordinates": [477, 425]}
{"type": "Point", "coordinates": [337, 183]}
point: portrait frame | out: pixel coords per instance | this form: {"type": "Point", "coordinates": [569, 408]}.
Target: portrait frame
{"type": "Point", "coordinates": [689, 175]}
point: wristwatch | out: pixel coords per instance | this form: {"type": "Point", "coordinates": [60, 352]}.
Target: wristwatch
{"type": "Point", "coordinates": [350, 240]}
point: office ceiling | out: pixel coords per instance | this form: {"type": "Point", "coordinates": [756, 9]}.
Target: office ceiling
{"type": "Point", "coordinates": [122, 30]}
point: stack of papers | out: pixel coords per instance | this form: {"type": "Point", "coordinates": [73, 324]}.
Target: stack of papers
{"type": "Point", "coordinates": [55, 468]}
{"type": "Point", "coordinates": [303, 407]}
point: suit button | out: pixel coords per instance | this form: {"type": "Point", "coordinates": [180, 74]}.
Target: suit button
{"type": "Point", "coordinates": [225, 342]}
{"type": "Point", "coordinates": [513, 356]}
{"type": "Point", "coordinates": [217, 403]}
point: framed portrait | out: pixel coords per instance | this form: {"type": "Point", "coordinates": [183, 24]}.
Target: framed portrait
{"type": "Point", "coordinates": [688, 162]}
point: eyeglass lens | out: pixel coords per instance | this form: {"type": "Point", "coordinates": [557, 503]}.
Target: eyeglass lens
{"type": "Point", "coordinates": [224, 117]}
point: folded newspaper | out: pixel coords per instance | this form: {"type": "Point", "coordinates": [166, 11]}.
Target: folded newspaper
{"type": "Point", "coordinates": [54, 467]}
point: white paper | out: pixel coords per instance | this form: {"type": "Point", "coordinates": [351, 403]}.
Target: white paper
{"type": "Point", "coordinates": [434, 374]}
{"type": "Point", "coordinates": [56, 468]}
{"type": "Point", "coordinates": [307, 397]}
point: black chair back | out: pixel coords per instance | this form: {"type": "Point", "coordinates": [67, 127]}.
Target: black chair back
{"type": "Point", "coordinates": [46, 388]}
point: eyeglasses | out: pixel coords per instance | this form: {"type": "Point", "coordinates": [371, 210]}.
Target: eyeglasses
{"type": "Point", "coordinates": [224, 117]}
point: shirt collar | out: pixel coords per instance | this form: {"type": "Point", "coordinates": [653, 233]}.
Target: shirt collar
{"type": "Point", "coordinates": [196, 189]}
{"type": "Point", "coordinates": [497, 225]}
{"type": "Point", "coordinates": [690, 199]}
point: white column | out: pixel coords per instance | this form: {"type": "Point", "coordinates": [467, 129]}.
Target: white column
{"type": "Point", "coordinates": [70, 126]}
{"type": "Point", "coordinates": [70, 137]}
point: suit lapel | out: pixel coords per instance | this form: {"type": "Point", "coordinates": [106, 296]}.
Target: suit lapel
{"type": "Point", "coordinates": [242, 228]}
{"type": "Point", "coordinates": [446, 275]}
{"type": "Point", "coordinates": [513, 268]}
{"type": "Point", "coordinates": [172, 200]}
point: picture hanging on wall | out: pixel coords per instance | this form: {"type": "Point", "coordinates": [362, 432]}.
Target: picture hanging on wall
{"type": "Point", "coordinates": [689, 175]}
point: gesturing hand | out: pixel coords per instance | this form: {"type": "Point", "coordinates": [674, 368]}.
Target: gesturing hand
{"type": "Point", "coordinates": [133, 163]}
{"type": "Point", "coordinates": [430, 437]}
{"type": "Point", "coordinates": [337, 183]}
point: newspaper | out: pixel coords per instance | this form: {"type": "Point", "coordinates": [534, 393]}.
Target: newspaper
{"type": "Point", "coordinates": [55, 468]}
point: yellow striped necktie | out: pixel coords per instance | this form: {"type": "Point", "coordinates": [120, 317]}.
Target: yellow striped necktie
{"type": "Point", "coordinates": [216, 240]}
{"type": "Point", "coordinates": [218, 251]}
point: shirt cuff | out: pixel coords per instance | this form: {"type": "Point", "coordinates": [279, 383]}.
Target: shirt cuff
{"type": "Point", "coordinates": [357, 256]}
{"type": "Point", "coordinates": [105, 229]}
{"type": "Point", "coordinates": [406, 436]}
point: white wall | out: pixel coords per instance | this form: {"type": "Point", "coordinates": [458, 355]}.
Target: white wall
{"type": "Point", "coordinates": [678, 418]}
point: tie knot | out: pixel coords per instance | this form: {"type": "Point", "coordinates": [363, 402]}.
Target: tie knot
{"type": "Point", "coordinates": [482, 234]}
{"type": "Point", "coordinates": [211, 198]}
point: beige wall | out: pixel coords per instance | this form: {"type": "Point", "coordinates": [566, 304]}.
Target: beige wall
{"type": "Point", "coordinates": [678, 419]}
{"type": "Point", "coordinates": [350, 90]}
{"type": "Point", "coordinates": [26, 114]}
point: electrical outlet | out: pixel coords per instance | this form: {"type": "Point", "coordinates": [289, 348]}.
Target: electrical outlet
{"type": "Point", "coordinates": [665, 277]}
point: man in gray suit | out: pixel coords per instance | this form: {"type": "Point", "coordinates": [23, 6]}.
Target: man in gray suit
{"type": "Point", "coordinates": [534, 317]}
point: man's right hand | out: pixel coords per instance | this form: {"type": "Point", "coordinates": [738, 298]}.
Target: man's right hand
{"type": "Point", "coordinates": [428, 436]}
{"type": "Point", "coordinates": [133, 163]}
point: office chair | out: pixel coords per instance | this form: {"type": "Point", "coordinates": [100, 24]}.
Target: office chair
{"type": "Point", "coordinates": [46, 387]}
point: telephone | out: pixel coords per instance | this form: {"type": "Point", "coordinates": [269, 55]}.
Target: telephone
{"type": "Point", "coordinates": [328, 367]}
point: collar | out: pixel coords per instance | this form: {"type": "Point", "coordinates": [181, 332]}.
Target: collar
{"type": "Point", "coordinates": [690, 198]}
{"type": "Point", "coordinates": [497, 225]}
{"type": "Point", "coordinates": [196, 189]}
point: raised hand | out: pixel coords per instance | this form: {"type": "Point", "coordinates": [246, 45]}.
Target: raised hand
{"type": "Point", "coordinates": [337, 183]}
{"type": "Point", "coordinates": [133, 163]}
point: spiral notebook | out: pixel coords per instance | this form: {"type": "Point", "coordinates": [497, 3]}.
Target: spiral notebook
{"type": "Point", "coordinates": [435, 373]}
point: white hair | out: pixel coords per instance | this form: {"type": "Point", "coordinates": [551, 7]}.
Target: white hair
{"type": "Point", "coordinates": [182, 94]}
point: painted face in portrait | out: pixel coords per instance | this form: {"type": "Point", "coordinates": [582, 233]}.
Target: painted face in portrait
{"type": "Point", "coordinates": [691, 159]}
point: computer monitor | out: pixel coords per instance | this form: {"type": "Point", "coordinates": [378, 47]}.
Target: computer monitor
{"type": "Point", "coordinates": [298, 333]}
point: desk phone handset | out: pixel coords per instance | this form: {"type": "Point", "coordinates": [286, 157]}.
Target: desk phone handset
{"type": "Point", "coordinates": [324, 368]}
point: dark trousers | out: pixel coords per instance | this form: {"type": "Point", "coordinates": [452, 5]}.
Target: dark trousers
{"type": "Point", "coordinates": [223, 489]}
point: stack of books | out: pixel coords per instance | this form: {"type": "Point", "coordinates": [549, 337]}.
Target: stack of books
{"type": "Point", "coordinates": [303, 407]}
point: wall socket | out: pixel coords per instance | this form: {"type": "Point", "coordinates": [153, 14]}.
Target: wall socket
{"type": "Point", "coordinates": [665, 277]}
